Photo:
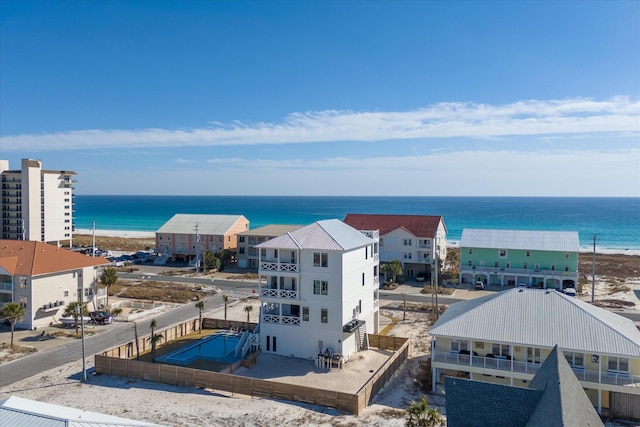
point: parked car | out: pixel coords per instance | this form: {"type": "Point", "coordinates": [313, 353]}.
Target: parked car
{"type": "Point", "coordinates": [570, 292]}
{"type": "Point", "coordinates": [101, 317]}
{"type": "Point", "coordinates": [479, 285]}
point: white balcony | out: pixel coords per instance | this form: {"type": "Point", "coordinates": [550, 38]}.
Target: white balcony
{"type": "Point", "coordinates": [279, 266]}
{"type": "Point", "coordinates": [466, 361]}
{"type": "Point", "coordinates": [283, 320]}
{"type": "Point", "coordinates": [278, 293]}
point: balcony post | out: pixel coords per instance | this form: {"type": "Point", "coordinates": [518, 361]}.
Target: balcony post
{"type": "Point", "coordinates": [600, 384]}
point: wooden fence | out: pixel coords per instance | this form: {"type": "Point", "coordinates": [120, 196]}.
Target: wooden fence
{"type": "Point", "coordinates": [116, 362]}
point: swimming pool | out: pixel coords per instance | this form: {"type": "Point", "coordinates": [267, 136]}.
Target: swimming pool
{"type": "Point", "coordinates": [220, 347]}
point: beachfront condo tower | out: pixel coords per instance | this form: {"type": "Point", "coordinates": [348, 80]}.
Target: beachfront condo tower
{"type": "Point", "coordinates": [37, 204]}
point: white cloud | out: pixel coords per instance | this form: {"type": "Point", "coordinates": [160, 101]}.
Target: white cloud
{"type": "Point", "coordinates": [552, 118]}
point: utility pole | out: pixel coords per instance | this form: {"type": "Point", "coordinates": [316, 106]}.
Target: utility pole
{"type": "Point", "coordinates": [593, 271]}
{"type": "Point", "coordinates": [93, 239]}
{"type": "Point", "coordinates": [197, 248]}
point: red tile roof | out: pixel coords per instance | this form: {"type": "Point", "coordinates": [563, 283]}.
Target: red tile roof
{"type": "Point", "coordinates": [29, 258]}
{"type": "Point", "coordinates": [418, 225]}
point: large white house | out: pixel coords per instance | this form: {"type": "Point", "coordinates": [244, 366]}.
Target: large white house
{"type": "Point", "coordinates": [37, 204]}
{"type": "Point", "coordinates": [318, 290]}
{"type": "Point", "coordinates": [44, 278]}
{"type": "Point", "coordinates": [414, 240]}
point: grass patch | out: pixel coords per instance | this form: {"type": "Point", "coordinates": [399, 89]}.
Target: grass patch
{"type": "Point", "coordinates": [157, 291]}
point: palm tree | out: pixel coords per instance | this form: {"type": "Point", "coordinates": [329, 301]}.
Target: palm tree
{"type": "Point", "coordinates": [14, 313]}
{"type": "Point", "coordinates": [70, 310]}
{"type": "Point", "coordinates": [154, 339]}
{"type": "Point", "coordinates": [393, 269]}
{"type": "Point", "coordinates": [248, 309]}
{"type": "Point", "coordinates": [200, 307]}
{"type": "Point", "coordinates": [225, 298]}
{"type": "Point", "coordinates": [419, 414]}
{"type": "Point", "coordinates": [108, 277]}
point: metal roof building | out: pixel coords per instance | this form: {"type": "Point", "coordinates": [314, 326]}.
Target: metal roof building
{"type": "Point", "coordinates": [565, 241]}
{"type": "Point", "coordinates": [331, 234]}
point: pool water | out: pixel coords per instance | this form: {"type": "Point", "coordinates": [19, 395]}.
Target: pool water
{"type": "Point", "coordinates": [220, 347]}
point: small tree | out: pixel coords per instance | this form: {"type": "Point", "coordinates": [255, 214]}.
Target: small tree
{"type": "Point", "coordinates": [70, 310]}
{"type": "Point", "coordinates": [392, 268]}
{"type": "Point", "coordinates": [200, 307]}
{"type": "Point", "coordinates": [225, 298]}
{"type": "Point", "coordinates": [154, 339]}
{"type": "Point", "coordinates": [14, 313]}
{"type": "Point", "coordinates": [108, 277]}
{"type": "Point", "coordinates": [211, 262]}
{"type": "Point", "coordinates": [248, 309]}
{"type": "Point", "coordinates": [419, 414]}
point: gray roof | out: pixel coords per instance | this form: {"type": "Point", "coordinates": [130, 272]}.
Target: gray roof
{"type": "Point", "coordinates": [564, 402]}
{"type": "Point", "coordinates": [541, 318]}
{"type": "Point", "coordinates": [563, 241]}
{"type": "Point", "coordinates": [270, 230]}
{"type": "Point", "coordinates": [17, 411]}
{"type": "Point", "coordinates": [216, 225]}
{"type": "Point", "coordinates": [480, 404]}
{"type": "Point", "coordinates": [330, 235]}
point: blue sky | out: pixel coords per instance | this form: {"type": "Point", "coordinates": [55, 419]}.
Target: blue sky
{"type": "Point", "coordinates": [420, 98]}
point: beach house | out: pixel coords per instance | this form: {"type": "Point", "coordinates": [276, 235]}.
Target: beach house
{"type": "Point", "coordinates": [247, 253]}
{"type": "Point", "coordinates": [545, 259]}
{"type": "Point", "coordinates": [44, 278]}
{"type": "Point", "coordinates": [504, 338]}
{"type": "Point", "coordinates": [414, 240]}
{"type": "Point", "coordinates": [186, 237]}
{"type": "Point", "coordinates": [36, 204]}
{"type": "Point", "coordinates": [318, 291]}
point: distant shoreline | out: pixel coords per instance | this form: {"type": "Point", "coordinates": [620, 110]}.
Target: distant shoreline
{"type": "Point", "coordinates": [132, 234]}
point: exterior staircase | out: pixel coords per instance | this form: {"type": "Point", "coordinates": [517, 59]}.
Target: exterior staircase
{"type": "Point", "coordinates": [363, 338]}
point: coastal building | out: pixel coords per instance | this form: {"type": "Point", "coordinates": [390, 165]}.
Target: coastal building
{"type": "Point", "coordinates": [545, 259]}
{"type": "Point", "coordinates": [247, 253]}
{"type": "Point", "coordinates": [414, 240]}
{"type": "Point", "coordinates": [318, 291]}
{"type": "Point", "coordinates": [44, 278]}
{"type": "Point", "coordinates": [37, 204]}
{"type": "Point", "coordinates": [553, 398]}
{"type": "Point", "coordinates": [185, 237]}
{"type": "Point", "coordinates": [17, 411]}
{"type": "Point", "coordinates": [503, 338]}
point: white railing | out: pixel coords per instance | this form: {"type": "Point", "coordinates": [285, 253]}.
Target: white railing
{"type": "Point", "coordinates": [278, 293]}
{"type": "Point", "coordinates": [374, 234]}
{"type": "Point", "coordinates": [283, 320]}
{"type": "Point", "coordinates": [518, 271]}
{"type": "Point", "coordinates": [622, 379]}
{"type": "Point", "coordinates": [6, 286]}
{"type": "Point", "coordinates": [376, 280]}
{"type": "Point", "coordinates": [279, 266]}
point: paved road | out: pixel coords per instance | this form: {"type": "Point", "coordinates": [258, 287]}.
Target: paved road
{"type": "Point", "coordinates": [109, 337]}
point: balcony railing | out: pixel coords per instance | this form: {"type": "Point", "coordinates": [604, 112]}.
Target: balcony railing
{"type": "Point", "coordinates": [373, 234]}
{"type": "Point", "coordinates": [463, 360]}
{"type": "Point", "coordinates": [279, 266]}
{"type": "Point", "coordinates": [519, 271]}
{"type": "Point", "coordinates": [6, 286]}
{"type": "Point", "coordinates": [283, 320]}
{"type": "Point", "coordinates": [278, 293]}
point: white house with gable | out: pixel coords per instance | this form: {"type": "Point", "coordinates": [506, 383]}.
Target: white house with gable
{"type": "Point", "coordinates": [318, 290]}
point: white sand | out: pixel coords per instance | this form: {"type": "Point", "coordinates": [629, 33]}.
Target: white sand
{"type": "Point", "coordinates": [118, 233]}
{"type": "Point", "coordinates": [179, 406]}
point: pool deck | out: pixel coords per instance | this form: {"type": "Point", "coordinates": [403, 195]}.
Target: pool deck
{"type": "Point", "coordinates": [353, 375]}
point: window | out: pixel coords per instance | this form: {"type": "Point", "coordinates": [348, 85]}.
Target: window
{"type": "Point", "coordinates": [324, 315]}
{"type": "Point", "coordinates": [305, 314]}
{"type": "Point", "coordinates": [528, 253]}
{"type": "Point", "coordinates": [537, 267]}
{"type": "Point", "coordinates": [23, 302]}
{"type": "Point", "coordinates": [508, 265]}
{"type": "Point", "coordinates": [566, 268]}
{"type": "Point", "coordinates": [470, 251]}
{"type": "Point", "coordinates": [502, 253]}
{"type": "Point", "coordinates": [469, 263]}
{"type": "Point", "coordinates": [617, 364]}
{"type": "Point", "coordinates": [576, 360]}
{"type": "Point", "coordinates": [65, 293]}
{"type": "Point", "coordinates": [263, 253]}
{"type": "Point", "coordinates": [275, 253]}
{"type": "Point", "coordinates": [320, 287]}
{"type": "Point", "coordinates": [23, 282]}
{"type": "Point", "coordinates": [381, 242]}
{"type": "Point", "coordinates": [407, 255]}
{"type": "Point", "coordinates": [241, 239]}
{"type": "Point", "coordinates": [525, 266]}
{"type": "Point", "coordinates": [241, 250]}
{"type": "Point", "coordinates": [495, 264]}
{"type": "Point", "coordinates": [457, 345]}
{"type": "Point", "coordinates": [500, 349]}
{"type": "Point", "coordinates": [553, 267]}
{"type": "Point", "coordinates": [566, 255]}
{"type": "Point", "coordinates": [533, 355]}
{"type": "Point", "coordinates": [320, 259]}
{"type": "Point", "coordinates": [362, 279]}
{"type": "Point", "coordinates": [408, 242]}
{"type": "Point", "coordinates": [366, 252]}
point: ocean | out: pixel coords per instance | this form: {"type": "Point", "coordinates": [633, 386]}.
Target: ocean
{"type": "Point", "coordinates": [614, 221]}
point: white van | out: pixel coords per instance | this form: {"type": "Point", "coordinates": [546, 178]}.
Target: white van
{"type": "Point", "coordinates": [570, 292]}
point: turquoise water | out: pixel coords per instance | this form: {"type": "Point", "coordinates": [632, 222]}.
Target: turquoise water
{"type": "Point", "coordinates": [219, 348]}
{"type": "Point", "coordinates": [615, 221]}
